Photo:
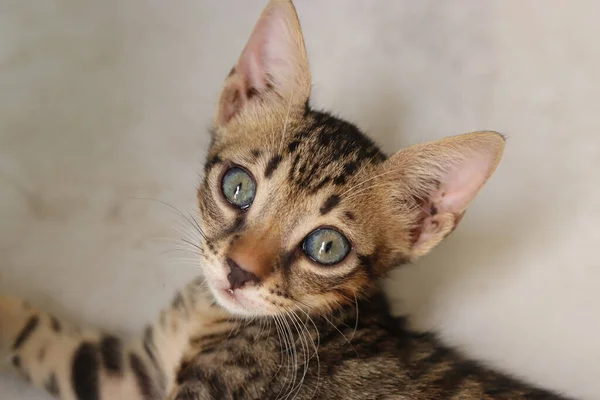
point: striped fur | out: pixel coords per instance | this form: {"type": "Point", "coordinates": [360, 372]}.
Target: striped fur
{"type": "Point", "coordinates": [284, 326]}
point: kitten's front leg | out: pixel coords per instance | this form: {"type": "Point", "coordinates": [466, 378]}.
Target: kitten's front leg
{"type": "Point", "coordinates": [88, 365]}
{"type": "Point", "coordinates": [40, 346]}
{"type": "Point", "coordinates": [191, 314]}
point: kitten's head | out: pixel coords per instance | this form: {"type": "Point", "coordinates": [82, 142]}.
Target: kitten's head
{"type": "Point", "coordinates": [301, 210]}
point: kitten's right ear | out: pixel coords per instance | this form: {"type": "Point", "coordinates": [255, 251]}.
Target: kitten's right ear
{"type": "Point", "coordinates": [429, 186]}
{"type": "Point", "coordinates": [273, 67]}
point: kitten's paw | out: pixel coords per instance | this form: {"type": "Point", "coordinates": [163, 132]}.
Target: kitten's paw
{"type": "Point", "coordinates": [14, 316]}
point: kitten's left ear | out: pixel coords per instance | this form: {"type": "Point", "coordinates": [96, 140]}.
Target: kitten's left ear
{"type": "Point", "coordinates": [272, 68]}
{"type": "Point", "coordinates": [438, 181]}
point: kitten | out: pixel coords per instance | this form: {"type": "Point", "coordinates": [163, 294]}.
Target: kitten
{"type": "Point", "coordinates": [301, 217]}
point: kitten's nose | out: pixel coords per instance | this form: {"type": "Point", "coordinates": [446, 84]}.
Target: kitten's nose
{"type": "Point", "coordinates": [238, 276]}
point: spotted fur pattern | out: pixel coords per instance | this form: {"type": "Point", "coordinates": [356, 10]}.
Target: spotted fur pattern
{"type": "Point", "coordinates": [295, 329]}
{"type": "Point", "coordinates": [364, 354]}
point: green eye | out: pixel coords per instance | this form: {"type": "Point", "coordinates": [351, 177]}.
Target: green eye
{"type": "Point", "coordinates": [238, 187]}
{"type": "Point", "coordinates": [326, 246]}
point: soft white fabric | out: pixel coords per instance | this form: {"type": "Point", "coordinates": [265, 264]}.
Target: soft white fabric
{"type": "Point", "coordinates": [106, 102]}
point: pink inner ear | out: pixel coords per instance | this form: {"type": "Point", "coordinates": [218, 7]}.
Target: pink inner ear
{"type": "Point", "coordinates": [269, 53]}
{"type": "Point", "coordinates": [462, 182]}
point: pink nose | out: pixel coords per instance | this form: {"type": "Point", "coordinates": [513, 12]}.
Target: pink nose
{"type": "Point", "coordinates": [251, 258]}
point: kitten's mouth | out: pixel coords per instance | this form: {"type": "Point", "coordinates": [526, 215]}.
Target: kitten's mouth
{"type": "Point", "coordinates": [233, 295]}
{"type": "Point", "coordinates": [236, 301]}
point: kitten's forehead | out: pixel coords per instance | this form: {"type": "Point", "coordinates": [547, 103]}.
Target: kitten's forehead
{"type": "Point", "coordinates": [328, 152]}
{"type": "Point", "coordinates": [313, 153]}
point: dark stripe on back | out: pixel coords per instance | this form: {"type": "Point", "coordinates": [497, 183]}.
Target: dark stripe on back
{"type": "Point", "coordinates": [84, 375]}
{"type": "Point", "coordinates": [422, 367]}
{"type": "Point", "coordinates": [538, 394]}
{"type": "Point", "coordinates": [142, 377]}
{"type": "Point", "coordinates": [331, 202]}
{"type": "Point", "coordinates": [111, 352]}
{"type": "Point", "coordinates": [188, 374]}
{"type": "Point", "coordinates": [272, 165]}
{"type": "Point", "coordinates": [27, 331]}
{"type": "Point", "coordinates": [451, 382]}
{"type": "Point", "coordinates": [188, 393]}
{"type": "Point", "coordinates": [498, 386]}
{"type": "Point", "coordinates": [218, 388]}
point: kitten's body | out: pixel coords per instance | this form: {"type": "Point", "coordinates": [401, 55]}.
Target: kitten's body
{"type": "Point", "coordinates": [374, 358]}
{"type": "Point", "coordinates": [349, 354]}
{"type": "Point", "coordinates": [289, 324]}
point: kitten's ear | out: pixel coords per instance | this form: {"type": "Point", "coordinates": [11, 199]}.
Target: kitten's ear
{"type": "Point", "coordinates": [273, 67]}
{"type": "Point", "coordinates": [439, 180]}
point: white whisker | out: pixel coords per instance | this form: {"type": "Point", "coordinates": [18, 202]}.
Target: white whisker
{"type": "Point", "coordinates": [364, 189]}
{"type": "Point", "coordinates": [365, 181]}
{"type": "Point", "coordinates": [285, 123]}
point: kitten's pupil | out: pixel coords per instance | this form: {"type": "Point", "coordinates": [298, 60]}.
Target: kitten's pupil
{"type": "Point", "coordinates": [326, 246]}
{"type": "Point", "coordinates": [238, 188]}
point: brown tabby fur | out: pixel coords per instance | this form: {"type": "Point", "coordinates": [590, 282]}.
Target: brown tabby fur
{"type": "Point", "coordinates": [300, 330]}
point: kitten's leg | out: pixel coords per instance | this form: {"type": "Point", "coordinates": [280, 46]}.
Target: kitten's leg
{"type": "Point", "coordinates": [89, 365]}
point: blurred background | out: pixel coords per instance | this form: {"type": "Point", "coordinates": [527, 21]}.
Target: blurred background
{"type": "Point", "coordinates": [104, 105]}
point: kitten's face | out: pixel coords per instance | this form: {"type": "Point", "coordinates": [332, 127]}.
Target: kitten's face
{"type": "Point", "coordinates": [294, 211]}
{"type": "Point", "coordinates": [300, 210]}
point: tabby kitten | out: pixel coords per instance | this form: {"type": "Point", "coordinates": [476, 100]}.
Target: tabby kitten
{"type": "Point", "coordinates": [301, 217]}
